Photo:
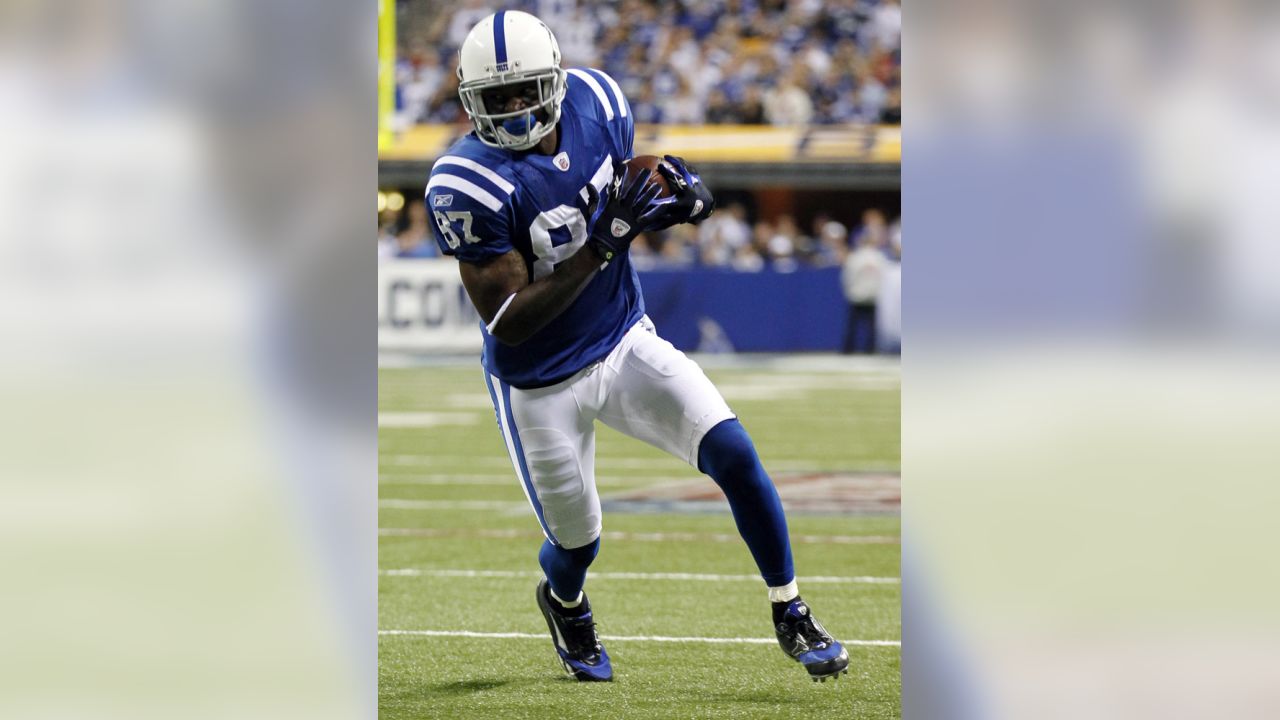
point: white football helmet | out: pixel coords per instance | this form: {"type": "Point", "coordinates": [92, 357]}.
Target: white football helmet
{"type": "Point", "coordinates": [508, 48]}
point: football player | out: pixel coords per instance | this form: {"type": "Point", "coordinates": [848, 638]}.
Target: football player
{"type": "Point", "coordinates": [539, 210]}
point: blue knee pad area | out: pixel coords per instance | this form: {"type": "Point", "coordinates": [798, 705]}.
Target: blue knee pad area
{"type": "Point", "coordinates": [566, 569]}
{"type": "Point", "coordinates": [729, 457]}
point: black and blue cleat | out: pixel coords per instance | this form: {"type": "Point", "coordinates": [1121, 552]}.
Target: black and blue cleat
{"type": "Point", "coordinates": [575, 639]}
{"type": "Point", "coordinates": [804, 639]}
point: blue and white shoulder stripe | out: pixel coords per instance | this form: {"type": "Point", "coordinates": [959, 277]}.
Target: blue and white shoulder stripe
{"type": "Point", "coordinates": [612, 100]}
{"type": "Point", "coordinates": [472, 179]}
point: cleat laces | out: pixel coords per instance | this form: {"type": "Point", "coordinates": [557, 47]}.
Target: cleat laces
{"type": "Point", "coordinates": [580, 636]}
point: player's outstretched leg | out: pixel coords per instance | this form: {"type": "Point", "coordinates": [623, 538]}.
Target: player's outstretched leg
{"type": "Point", "coordinates": [574, 636]}
{"type": "Point", "coordinates": [729, 457]}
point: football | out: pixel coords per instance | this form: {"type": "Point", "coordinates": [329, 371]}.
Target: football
{"type": "Point", "coordinates": [650, 162]}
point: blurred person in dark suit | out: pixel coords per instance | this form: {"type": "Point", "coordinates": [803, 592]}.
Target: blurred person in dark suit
{"type": "Point", "coordinates": [861, 277]}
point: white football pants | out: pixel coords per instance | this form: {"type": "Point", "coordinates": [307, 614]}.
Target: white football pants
{"type": "Point", "coordinates": [644, 388]}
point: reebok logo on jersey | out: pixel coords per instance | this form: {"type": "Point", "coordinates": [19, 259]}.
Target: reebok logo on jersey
{"type": "Point", "coordinates": [619, 228]}
{"type": "Point", "coordinates": [443, 201]}
{"type": "Point", "coordinates": [561, 161]}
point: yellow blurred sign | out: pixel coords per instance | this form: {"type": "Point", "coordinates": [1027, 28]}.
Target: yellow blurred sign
{"type": "Point", "coordinates": [704, 143]}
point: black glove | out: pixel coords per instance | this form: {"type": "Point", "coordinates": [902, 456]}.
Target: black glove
{"type": "Point", "coordinates": [694, 202]}
{"type": "Point", "coordinates": [628, 210]}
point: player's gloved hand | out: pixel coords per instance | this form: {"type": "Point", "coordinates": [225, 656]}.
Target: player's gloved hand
{"type": "Point", "coordinates": [626, 210]}
{"type": "Point", "coordinates": [694, 202]}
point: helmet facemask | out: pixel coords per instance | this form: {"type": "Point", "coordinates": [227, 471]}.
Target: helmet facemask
{"type": "Point", "coordinates": [519, 130]}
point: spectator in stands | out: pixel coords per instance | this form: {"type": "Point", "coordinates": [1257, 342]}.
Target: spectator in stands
{"type": "Point", "coordinates": [713, 251]}
{"type": "Point", "coordinates": [415, 239]}
{"type": "Point", "coordinates": [833, 239]}
{"type": "Point", "coordinates": [683, 107]}
{"type": "Point", "coordinates": [807, 61]}
{"type": "Point", "coordinates": [643, 253]}
{"type": "Point", "coordinates": [842, 19]}
{"type": "Point", "coordinates": [576, 34]}
{"type": "Point", "coordinates": [681, 50]}
{"type": "Point", "coordinates": [723, 234]}
{"type": "Point", "coordinates": [464, 17]}
{"type": "Point", "coordinates": [786, 103]}
{"type": "Point", "coordinates": [645, 108]}
{"type": "Point", "coordinates": [829, 242]}
{"type": "Point", "coordinates": [780, 243]}
{"type": "Point", "coordinates": [752, 108]}
{"type": "Point", "coordinates": [445, 106]}
{"type": "Point", "coordinates": [873, 96]}
{"type": "Point", "coordinates": [679, 247]}
{"type": "Point", "coordinates": [719, 111]}
{"type": "Point", "coordinates": [419, 76]}
{"type": "Point", "coordinates": [388, 220]}
{"type": "Point", "coordinates": [873, 225]}
{"type": "Point", "coordinates": [815, 56]}
{"type": "Point", "coordinates": [748, 259]}
{"type": "Point", "coordinates": [883, 29]}
{"type": "Point", "coordinates": [891, 113]}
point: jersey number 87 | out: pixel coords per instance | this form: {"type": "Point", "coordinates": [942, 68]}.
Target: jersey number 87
{"type": "Point", "coordinates": [548, 254]}
{"type": "Point", "coordinates": [446, 219]}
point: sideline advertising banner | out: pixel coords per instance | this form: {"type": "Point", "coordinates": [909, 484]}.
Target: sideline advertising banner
{"type": "Point", "coordinates": [422, 307]}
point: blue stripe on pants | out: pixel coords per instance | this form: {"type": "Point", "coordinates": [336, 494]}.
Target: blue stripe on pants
{"type": "Point", "coordinates": [507, 422]}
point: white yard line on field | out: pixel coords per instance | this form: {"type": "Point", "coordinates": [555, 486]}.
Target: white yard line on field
{"type": "Point", "coordinates": [510, 479]}
{"type": "Point", "coordinates": [397, 504]}
{"type": "Point", "coordinates": [504, 533]}
{"type": "Point", "coordinates": [602, 463]}
{"type": "Point", "coordinates": [426, 419]}
{"type": "Point", "coordinates": [706, 577]}
{"type": "Point", "coordinates": [624, 638]}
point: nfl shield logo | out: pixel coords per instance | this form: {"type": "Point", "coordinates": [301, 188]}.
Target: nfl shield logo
{"type": "Point", "coordinates": [619, 228]}
{"type": "Point", "coordinates": [562, 161]}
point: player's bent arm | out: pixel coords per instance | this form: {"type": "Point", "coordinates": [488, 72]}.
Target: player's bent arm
{"type": "Point", "coordinates": [513, 308]}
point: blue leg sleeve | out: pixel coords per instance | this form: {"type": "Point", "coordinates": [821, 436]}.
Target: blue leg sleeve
{"type": "Point", "coordinates": [729, 457]}
{"type": "Point", "coordinates": [566, 570]}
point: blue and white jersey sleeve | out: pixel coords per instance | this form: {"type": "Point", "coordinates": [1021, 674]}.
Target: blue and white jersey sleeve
{"type": "Point", "coordinates": [470, 209]}
{"type": "Point", "coordinates": [609, 104]}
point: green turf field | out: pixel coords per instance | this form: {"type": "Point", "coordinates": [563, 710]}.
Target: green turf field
{"type": "Point", "coordinates": [458, 546]}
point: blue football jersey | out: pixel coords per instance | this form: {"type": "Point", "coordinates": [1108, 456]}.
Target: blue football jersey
{"type": "Point", "coordinates": [487, 201]}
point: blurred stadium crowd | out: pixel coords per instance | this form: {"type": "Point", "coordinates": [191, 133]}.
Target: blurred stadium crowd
{"type": "Point", "coordinates": [728, 240]}
{"type": "Point", "coordinates": [773, 62]}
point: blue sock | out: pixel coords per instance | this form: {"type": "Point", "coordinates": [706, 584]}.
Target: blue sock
{"type": "Point", "coordinates": [729, 457]}
{"type": "Point", "coordinates": [567, 569]}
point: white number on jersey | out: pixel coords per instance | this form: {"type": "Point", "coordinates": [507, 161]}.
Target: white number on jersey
{"type": "Point", "coordinates": [540, 237]}
{"type": "Point", "coordinates": [550, 255]}
{"type": "Point", "coordinates": [445, 221]}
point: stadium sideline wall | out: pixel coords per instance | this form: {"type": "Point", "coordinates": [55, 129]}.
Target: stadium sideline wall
{"type": "Point", "coordinates": [422, 307]}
